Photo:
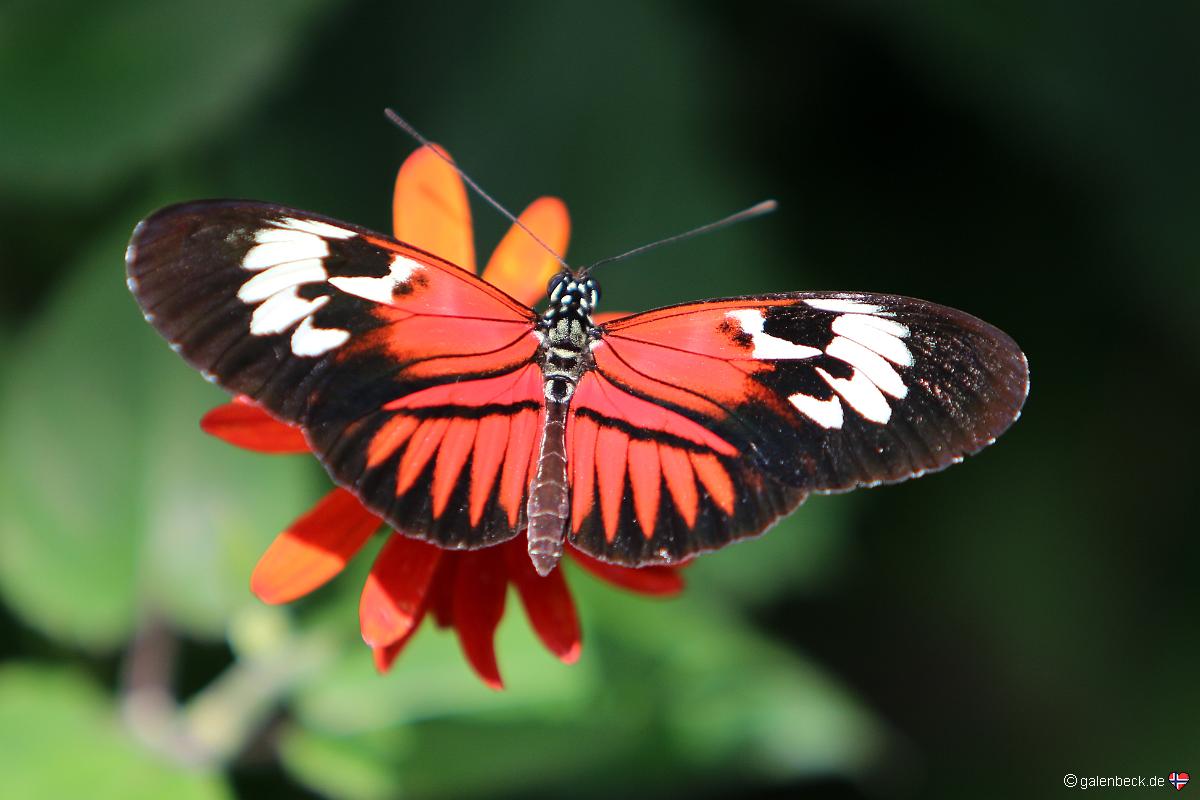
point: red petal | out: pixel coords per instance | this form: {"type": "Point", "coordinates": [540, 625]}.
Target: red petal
{"type": "Point", "coordinates": [441, 592]}
{"type": "Point", "coordinates": [244, 424]}
{"type": "Point", "coordinates": [479, 589]}
{"type": "Point", "coordinates": [313, 549]}
{"type": "Point", "coordinates": [645, 580]}
{"type": "Point", "coordinates": [384, 656]}
{"type": "Point", "coordinates": [547, 603]}
{"type": "Point", "coordinates": [393, 598]}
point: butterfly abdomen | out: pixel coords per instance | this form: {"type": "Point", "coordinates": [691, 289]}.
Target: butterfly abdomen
{"type": "Point", "coordinates": [549, 499]}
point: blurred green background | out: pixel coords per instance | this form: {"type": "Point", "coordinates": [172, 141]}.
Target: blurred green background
{"type": "Point", "coordinates": [985, 630]}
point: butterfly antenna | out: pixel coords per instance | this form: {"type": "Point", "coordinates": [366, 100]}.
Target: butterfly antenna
{"type": "Point", "coordinates": [404, 125]}
{"type": "Point", "coordinates": [765, 207]}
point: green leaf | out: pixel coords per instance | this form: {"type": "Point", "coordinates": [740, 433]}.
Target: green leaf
{"type": "Point", "coordinates": [343, 767]}
{"type": "Point", "coordinates": [61, 737]}
{"type": "Point", "coordinates": [90, 91]}
{"type": "Point", "coordinates": [115, 504]}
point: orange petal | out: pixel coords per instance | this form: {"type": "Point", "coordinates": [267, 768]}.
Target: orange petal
{"type": "Point", "coordinates": [430, 210]}
{"type": "Point", "coordinates": [644, 580]}
{"type": "Point", "coordinates": [547, 602]}
{"type": "Point", "coordinates": [393, 598]}
{"type": "Point", "coordinates": [479, 589]}
{"type": "Point", "coordinates": [313, 549]}
{"type": "Point", "coordinates": [244, 424]}
{"type": "Point", "coordinates": [384, 656]}
{"type": "Point", "coordinates": [520, 266]}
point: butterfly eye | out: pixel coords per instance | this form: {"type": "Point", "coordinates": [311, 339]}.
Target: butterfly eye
{"type": "Point", "coordinates": [554, 287]}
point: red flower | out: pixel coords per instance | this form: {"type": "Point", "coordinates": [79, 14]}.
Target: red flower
{"type": "Point", "coordinates": [411, 578]}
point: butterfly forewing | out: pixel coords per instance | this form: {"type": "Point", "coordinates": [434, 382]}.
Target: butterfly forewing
{"type": "Point", "coordinates": [702, 423]}
{"type": "Point", "coordinates": [413, 380]}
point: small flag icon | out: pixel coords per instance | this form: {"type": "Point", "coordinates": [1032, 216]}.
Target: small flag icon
{"type": "Point", "coordinates": [1178, 780]}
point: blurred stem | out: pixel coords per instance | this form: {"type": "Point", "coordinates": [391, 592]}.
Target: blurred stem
{"type": "Point", "coordinates": [221, 720]}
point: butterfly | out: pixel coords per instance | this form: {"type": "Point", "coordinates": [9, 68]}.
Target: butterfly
{"type": "Point", "coordinates": [463, 417]}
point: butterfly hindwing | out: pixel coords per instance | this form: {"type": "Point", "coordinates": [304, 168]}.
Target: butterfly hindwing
{"type": "Point", "coordinates": [412, 379]}
{"type": "Point", "coordinates": [715, 418]}
{"type": "Point", "coordinates": [650, 484]}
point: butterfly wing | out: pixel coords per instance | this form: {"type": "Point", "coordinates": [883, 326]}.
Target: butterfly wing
{"type": "Point", "coordinates": [703, 423]}
{"type": "Point", "coordinates": [413, 380]}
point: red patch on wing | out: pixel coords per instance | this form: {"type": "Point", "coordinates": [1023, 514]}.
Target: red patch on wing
{"type": "Point", "coordinates": [440, 321]}
{"type": "Point", "coordinates": [513, 387]}
{"type": "Point", "coordinates": [424, 444]}
{"type": "Point", "coordinates": [452, 456]}
{"type": "Point", "coordinates": [435, 286]}
{"type": "Point", "coordinates": [429, 347]}
{"type": "Point", "coordinates": [389, 438]}
{"type": "Point", "coordinates": [596, 393]}
{"type": "Point", "coordinates": [514, 478]}
{"type": "Point", "coordinates": [492, 422]}
{"type": "Point", "coordinates": [692, 356]}
{"type": "Point", "coordinates": [612, 447]}
{"type": "Point", "coordinates": [611, 434]}
{"type": "Point", "coordinates": [715, 479]}
{"type": "Point", "coordinates": [681, 482]}
{"type": "Point", "coordinates": [581, 445]}
{"type": "Point", "coordinates": [645, 476]}
{"type": "Point", "coordinates": [491, 442]}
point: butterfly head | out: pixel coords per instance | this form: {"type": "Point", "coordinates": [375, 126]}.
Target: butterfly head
{"type": "Point", "coordinates": [571, 296]}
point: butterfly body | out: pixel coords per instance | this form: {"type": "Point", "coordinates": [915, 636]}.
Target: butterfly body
{"type": "Point", "coordinates": [566, 355]}
{"type": "Point", "coordinates": [463, 417]}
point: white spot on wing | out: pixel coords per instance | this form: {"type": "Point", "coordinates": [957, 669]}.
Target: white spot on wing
{"type": "Point", "coordinates": [319, 228]}
{"type": "Point", "coordinates": [767, 346]}
{"type": "Point", "coordinates": [312, 341]}
{"type": "Point", "coordinates": [826, 413]}
{"type": "Point", "coordinates": [288, 255]}
{"type": "Point", "coordinates": [275, 251]}
{"type": "Point", "coordinates": [862, 395]}
{"type": "Point", "coordinates": [280, 277]}
{"type": "Point", "coordinates": [844, 305]}
{"type": "Point", "coordinates": [281, 311]}
{"type": "Point", "coordinates": [866, 342]}
{"type": "Point", "coordinates": [881, 373]}
{"type": "Point", "coordinates": [880, 335]}
{"type": "Point", "coordinates": [380, 290]}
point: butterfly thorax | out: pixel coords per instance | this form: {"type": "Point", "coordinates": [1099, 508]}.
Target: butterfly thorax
{"type": "Point", "coordinates": [567, 330]}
